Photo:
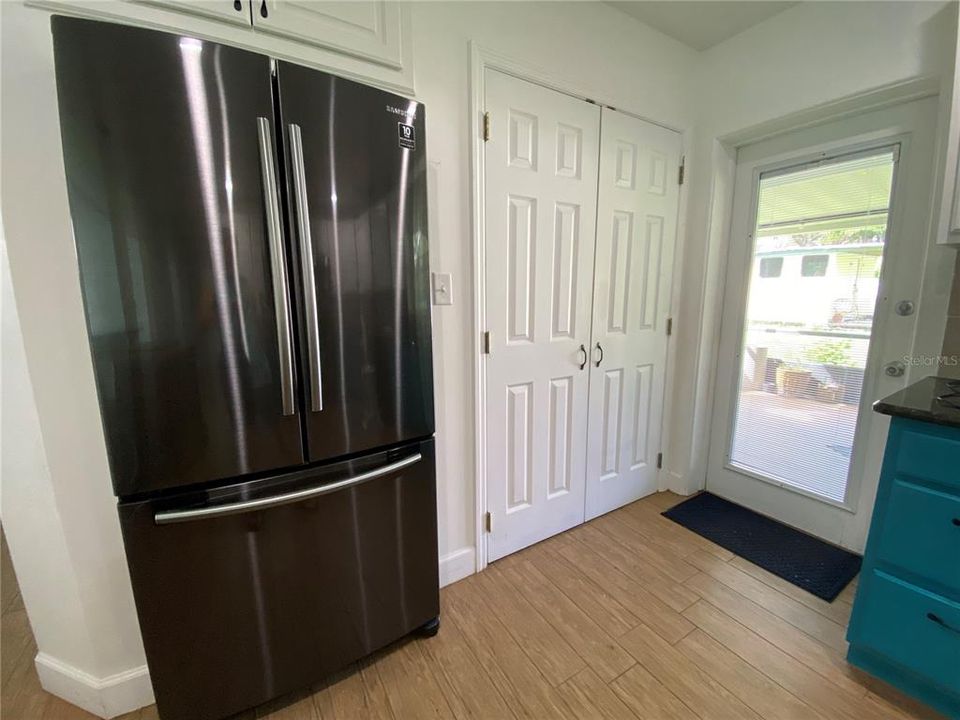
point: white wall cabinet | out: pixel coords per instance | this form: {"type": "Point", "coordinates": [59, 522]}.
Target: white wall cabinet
{"type": "Point", "coordinates": [367, 40]}
{"type": "Point", "coordinates": [955, 212]}
{"type": "Point", "coordinates": [236, 12]}
{"type": "Point", "coordinates": [369, 30]}
{"type": "Point", "coordinates": [948, 229]}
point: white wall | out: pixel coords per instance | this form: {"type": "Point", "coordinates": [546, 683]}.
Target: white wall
{"type": "Point", "coordinates": [789, 69]}
{"type": "Point", "coordinates": [633, 68]}
{"type": "Point", "coordinates": [32, 521]}
{"type": "Point", "coordinates": [75, 581]}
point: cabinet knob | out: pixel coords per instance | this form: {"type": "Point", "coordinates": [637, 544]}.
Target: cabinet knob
{"type": "Point", "coordinates": [263, 9]}
{"type": "Point", "coordinates": [237, 5]}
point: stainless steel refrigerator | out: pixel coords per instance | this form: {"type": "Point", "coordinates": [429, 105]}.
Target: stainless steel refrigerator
{"type": "Point", "coordinates": [252, 243]}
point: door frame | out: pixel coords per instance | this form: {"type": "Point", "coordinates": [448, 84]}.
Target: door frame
{"type": "Point", "coordinates": [853, 517]}
{"type": "Point", "coordinates": [481, 60]}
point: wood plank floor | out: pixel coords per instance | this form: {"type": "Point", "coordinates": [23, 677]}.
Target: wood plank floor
{"type": "Point", "coordinates": [629, 616]}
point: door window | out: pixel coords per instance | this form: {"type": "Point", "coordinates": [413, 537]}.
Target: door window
{"type": "Point", "coordinates": [819, 243]}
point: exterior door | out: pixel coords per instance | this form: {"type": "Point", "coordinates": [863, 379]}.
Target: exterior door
{"type": "Point", "coordinates": [168, 148]}
{"type": "Point", "coordinates": [828, 249]}
{"type": "Point", "coordinates": [357, 191]}
{"type": "Point", "coordinates": [638, 202]}
{"type": "Point", "coordinates": [539, 213]}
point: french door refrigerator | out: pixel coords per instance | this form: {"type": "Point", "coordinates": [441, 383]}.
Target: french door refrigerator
{"type": "Point", "coordinates": [251, 236]}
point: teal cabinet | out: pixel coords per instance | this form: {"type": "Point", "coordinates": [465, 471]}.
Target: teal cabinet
{"type": "Point", "coordinates": [905, 626]}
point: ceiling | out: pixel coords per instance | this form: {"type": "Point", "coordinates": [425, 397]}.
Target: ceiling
{"type": "Point", "coordinates": [701, 25]}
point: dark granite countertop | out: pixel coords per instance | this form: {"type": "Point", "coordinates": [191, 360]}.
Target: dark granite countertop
{"type": "Point", "coordinates": [919, 401]}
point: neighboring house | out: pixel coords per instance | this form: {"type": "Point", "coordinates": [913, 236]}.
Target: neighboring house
{"type": "Point", "coordinates": [813, 286]}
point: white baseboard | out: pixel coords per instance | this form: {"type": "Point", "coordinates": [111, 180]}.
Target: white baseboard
{"type": "Point", "coordinates": [457, 565]}
{"type": "Point", "coordinates": [105, 697]}
{"type": "Point", "coordinates": [676, 483]}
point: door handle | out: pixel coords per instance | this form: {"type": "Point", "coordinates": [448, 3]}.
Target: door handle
{"type": "Point", "coordinates": [583, 362]}
{"type": "Point", "coordinates": [278, 265]}
{"type": "Point", "coordinates": [168, 517]}
{"type": "Point", "coordinates": [600, 359]}
{"type": "Point", "coordinates": [306, 262]}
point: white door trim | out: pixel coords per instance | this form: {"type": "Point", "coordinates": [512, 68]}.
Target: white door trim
{"type": "Point", "coordinates": [481, 60]}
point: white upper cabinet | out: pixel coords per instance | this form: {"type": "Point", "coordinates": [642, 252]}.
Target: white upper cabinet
{"type": "Point", "coordinates": [231, 11]}
{"type": "Point", "coordinates": [369, 30]}
{"type": "Point", "coordinates": [365, 40]}
{"type": "Point", "coordinates": [954, 236]}
{"type": "Point", "coordinates": [948, 229]}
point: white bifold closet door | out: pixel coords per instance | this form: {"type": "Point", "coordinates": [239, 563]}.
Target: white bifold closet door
{"type": "Point", "coordinates": [637, 206]}
{"type": "Point", "coordinates": [540, 200]}
{"type": "Point", "coordinates": [574, 378]}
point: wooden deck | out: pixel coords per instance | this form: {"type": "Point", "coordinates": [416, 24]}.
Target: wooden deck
{"type": "Point", "coordinates": [628, 616]}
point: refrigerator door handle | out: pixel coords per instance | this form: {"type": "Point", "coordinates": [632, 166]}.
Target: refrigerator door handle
{"type": "Point", "coordinates": [278, 266]}
{"type": "Point", "coordinates": [168, 517]}
{"type": "Point", "coordinates": [306, 259]}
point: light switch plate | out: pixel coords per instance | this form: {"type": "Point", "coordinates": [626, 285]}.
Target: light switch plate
{"type": "Point", "coordinates": [442, 289]}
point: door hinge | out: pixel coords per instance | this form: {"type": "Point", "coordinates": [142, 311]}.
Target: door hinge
{"type": "Point", "coordinates": [669, 326]}
{"type": "Point", "coordinates": [683, 163]}
{"type": "Point", "coordinates": [659, 461]}
{"type": "Point", "coordinates": [488, 522]}
{"type": "Point", "coordinates": [486, 343]}
{"type": "Point", "coordinates": [486, 126]}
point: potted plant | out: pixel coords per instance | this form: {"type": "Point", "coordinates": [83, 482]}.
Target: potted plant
{"type": "Point", "coordinates": [793, 380]}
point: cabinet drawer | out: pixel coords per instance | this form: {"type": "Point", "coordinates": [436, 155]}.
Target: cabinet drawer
{"type": "Point", "coordinates": [921, 533]}
{"type": "Point", "coordinates": [912, 627]}
{"type": "Point", "coordinates": [929, 454]}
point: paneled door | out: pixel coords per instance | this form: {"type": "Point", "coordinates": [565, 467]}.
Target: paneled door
{"type": "Point", "coordinates": [636, 232]}
{"type": "Point", "coordinates": [540, 212]}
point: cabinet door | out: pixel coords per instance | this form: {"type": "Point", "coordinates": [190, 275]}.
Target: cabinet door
{"type": "Point", "coordinates": [540, 208]}
{"type": "Point", "coordinates": [236, 12]}
{"type": "Point", "coordinates": [636, 231]}
{"type": "Point", "coordinates": [370, 30]}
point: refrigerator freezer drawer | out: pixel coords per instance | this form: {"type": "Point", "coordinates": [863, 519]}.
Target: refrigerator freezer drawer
{"type": "Point", "coordinates": [248, 592]}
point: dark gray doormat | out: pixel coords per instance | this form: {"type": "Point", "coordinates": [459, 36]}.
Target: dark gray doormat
{"type": "Point", "coordinates": [809, 563]}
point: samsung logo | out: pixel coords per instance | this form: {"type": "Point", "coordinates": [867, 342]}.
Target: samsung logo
{"type": "Point", "coordinates": [399, 111]}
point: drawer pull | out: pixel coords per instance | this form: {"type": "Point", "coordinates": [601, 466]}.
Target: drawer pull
{"type": "Point", "coordinates": [941, 622]}
{"type": "Point", "coordinates": [956, 521]}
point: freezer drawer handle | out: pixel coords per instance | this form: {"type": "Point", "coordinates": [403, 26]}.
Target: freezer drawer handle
{"type": "Point", "coordinates": [306, 260]}
{"type": "Point", "coordinates": [175, 516]}
{"type": "Point", "coordinates": [278, 266]}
